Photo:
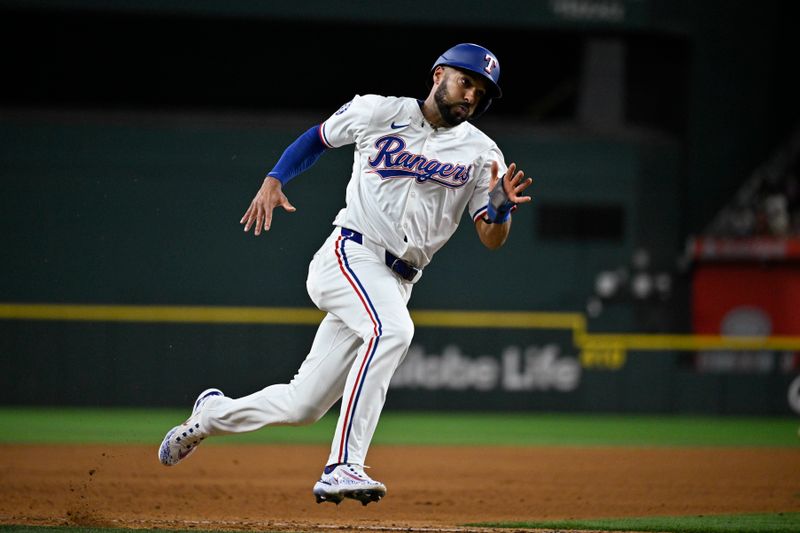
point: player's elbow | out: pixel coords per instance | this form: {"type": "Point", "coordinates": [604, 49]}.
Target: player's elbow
{"type": "Point", "coordinates": [494, 240]}
{"type": "Point", "coordinates": [494, 243]}
{"type": "Point", "coordinates": [492, 236]}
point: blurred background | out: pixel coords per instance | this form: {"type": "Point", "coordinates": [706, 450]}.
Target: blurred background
{"type": "Point", "coordinates": [655, 271]}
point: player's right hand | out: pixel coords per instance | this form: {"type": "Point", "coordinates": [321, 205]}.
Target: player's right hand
{"type": "Point", "coordinates": [268, 197]}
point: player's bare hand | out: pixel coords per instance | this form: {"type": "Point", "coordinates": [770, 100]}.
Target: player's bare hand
{"type": "Point", "coordinates": [268, 197]}
{"type": "Point", "coordinates": [514, 182]}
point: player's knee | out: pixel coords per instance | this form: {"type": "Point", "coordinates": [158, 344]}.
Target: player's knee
{"type": "Point", "coordinates": [305, 414]}
{"type": "Point", "coordinates": [401, 332]}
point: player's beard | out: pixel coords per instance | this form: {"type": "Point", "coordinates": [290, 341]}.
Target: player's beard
{"type": "Point", "coordinates": [446, 109]}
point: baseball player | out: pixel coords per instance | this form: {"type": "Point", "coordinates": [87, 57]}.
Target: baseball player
{"type": "Point", "coordinates": [418, 165]}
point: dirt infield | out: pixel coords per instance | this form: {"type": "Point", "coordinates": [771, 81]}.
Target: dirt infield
{"type": "Point", "coordinates": [436, 488]}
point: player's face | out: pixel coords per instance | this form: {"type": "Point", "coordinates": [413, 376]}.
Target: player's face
{"type": "Point", "coordinates": [458, 95]}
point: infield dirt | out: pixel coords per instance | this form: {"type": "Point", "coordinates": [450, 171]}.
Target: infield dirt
{"type": "Point", "coordinates": [433, 488]}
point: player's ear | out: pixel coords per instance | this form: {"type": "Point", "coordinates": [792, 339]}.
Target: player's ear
{"type": "Point", "coordinates": [438, 74]}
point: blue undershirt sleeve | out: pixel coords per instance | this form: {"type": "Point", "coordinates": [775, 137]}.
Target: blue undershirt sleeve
{"type": "Point", "coordinates": [299, 156]}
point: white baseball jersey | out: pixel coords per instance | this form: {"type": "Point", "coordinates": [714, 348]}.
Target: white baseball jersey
{"type": "Point", "coordinates": [410, 182]}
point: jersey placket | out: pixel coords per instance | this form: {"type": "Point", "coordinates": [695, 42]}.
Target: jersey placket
{"type": "Point", "coordinates": [412, 198]}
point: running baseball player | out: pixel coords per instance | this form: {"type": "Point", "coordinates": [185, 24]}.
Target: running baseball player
{"type": "Point", "coordinates": [418, 166]}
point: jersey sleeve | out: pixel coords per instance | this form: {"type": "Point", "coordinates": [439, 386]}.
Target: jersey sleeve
{"type": "Point", "coordinates": [350, 122]}
{"type": "Point", "coordinates": [483, 174]}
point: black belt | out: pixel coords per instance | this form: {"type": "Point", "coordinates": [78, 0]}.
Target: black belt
{"type": "Point", "coordinates": [404, 270]}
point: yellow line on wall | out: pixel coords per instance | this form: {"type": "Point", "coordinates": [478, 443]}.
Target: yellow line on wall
{"type": "Point", "coordinates": [498, 319]}
{"type": "Point", "coordinates": [161, 313]}
{"type": "Point", "coordinates": [277, 315]}
{"type": "Point", "coordinates": [574, 322]}
{"type": "Point", "coordinates": [687, 342]}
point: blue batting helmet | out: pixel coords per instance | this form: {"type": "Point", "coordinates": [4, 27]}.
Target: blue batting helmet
{"type": "Point", "coordinates": [478, 60]}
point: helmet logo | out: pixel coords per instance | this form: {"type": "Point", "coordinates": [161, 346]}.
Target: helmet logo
{"type": "Point", "coordinates": [491, 64]}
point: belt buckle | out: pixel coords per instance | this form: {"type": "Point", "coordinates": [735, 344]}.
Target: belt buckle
{"type": "Point", "coordinates": [394, 263]}
{"type": "Point", "coordinates": [403, 272]}
{"type": "Point", "coordinates": [416, 271]}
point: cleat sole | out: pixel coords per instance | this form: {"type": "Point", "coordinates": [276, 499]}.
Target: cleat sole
{"type": "Point", "coordinates": [328, 498]}
{"type": "Point", "coordinates": [365, 496]}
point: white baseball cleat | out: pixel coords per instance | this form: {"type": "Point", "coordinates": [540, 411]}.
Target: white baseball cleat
{"type": "Point", "coordinates": [181, 441]}
{"type": "Point", "coordinates": [347, 481]}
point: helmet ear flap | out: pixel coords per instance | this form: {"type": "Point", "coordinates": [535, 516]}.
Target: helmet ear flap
{"type": "Point", "coordinates": [482, 106]}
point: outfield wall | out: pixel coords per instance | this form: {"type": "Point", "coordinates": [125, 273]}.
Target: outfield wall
{"type": "Point", "coordinates": [143, 211]}
{"type": "Point", "coordinates": [156, 356]}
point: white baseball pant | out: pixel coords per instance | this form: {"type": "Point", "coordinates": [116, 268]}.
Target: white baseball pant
{"type": "Point", "coordinates": [357, 348]}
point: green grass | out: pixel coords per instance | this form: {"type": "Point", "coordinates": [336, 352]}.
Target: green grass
{"type": "Point", "coordinates": [146, 426]}
{"type": "Point", "coordinates": [586, 430]}
{"type": "Point", "coordinates": [744, 523]}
